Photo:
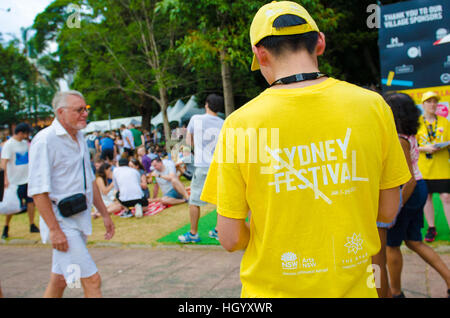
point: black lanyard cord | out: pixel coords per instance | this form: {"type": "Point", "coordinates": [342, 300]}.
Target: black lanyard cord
{"type": "Point", "coordinates": [298, 78]}
{"type": "Point", "coordinates": [431, 132]}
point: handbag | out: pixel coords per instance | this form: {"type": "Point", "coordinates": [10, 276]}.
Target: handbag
{"type": "Point", "coordinates": [75, 203]}
{"type": "Point", "coordinates": [10, 203]}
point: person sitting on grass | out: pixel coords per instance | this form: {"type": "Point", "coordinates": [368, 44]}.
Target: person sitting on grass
{"type": "Point", "coordinates": [127, 182]}
{"type": "Point", "coordinates": [185, 165]}
{"type": "Point", "coordinates": [173, 190]}
{"type": "Point", "coordinates": [144, 159]}
{"type": "Point", "coordinates": [136, 164]}
{"type": "Point", "coordinates": [102, 178]}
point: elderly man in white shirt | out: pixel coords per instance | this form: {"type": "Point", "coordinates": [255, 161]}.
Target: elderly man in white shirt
{"type": "Point", "coordinates": [59, 168]}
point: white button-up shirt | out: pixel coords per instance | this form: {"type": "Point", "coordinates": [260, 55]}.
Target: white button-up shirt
{"type": "Point", "coordinates": [56, 168]}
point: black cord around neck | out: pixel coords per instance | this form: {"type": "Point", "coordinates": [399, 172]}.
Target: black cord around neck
{"type": "Point", "coordinates": [298, 78]}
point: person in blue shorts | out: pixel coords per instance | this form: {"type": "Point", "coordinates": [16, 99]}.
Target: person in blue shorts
{"type": "Point", "coordinates": [409, 221]}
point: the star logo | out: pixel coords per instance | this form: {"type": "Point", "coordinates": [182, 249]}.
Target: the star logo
{"type": "Point", "coordinates": [354, 243]}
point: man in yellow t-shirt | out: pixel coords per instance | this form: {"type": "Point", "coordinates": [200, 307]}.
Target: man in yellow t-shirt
{"type": "Point", "coordinates": [433, 138]}
{"type": "Point", "coordinates": [314, 162]}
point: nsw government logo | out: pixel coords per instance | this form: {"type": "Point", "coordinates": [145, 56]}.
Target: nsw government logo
{"type": "Point", "coordinates": [289, 261]}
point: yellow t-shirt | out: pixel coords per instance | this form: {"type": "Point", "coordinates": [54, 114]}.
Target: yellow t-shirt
{"type": "Point", "coordinates": [438, 167]}
{"type": "Point", "coordinates": [310, 171]}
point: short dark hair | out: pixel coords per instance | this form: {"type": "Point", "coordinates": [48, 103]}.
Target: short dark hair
{"type": "Point", "coordinates": [278, 44]}
{"type": "Point", "coordinates": [22, 127]}
{"type": "Point", "coordinates": [157, 159]}
{"type": "Point", "coordinates": [215, 102]}
{"type": "Point", "coordinates": [406, 114]}
{"type": "Point", "coordinates": [123, 162]}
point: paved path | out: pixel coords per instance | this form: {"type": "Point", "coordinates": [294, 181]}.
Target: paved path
{"type": "Point", "coordinates": [184, 272]}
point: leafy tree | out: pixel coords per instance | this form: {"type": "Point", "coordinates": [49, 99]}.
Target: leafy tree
{"type": "Point", "coordinates": [15, 72]}
{"type": "Point", "coordinates": [39, 88]}
{"type": "Point", "coordinates": [137, 56]}
{"type": "Point", "coordinates": [123, 48]}
{"type": "Point", "coordinates": [218, 38]}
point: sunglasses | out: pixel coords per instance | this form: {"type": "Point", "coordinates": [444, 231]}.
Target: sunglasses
{"type": "Point", "coordinates": [79, 110]}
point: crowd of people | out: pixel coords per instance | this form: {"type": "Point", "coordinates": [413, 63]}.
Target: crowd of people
{"type": "Point", "coordinates": [368, 166]}
{"type": "Point", "coordinates": [117, 168]}
{"type": "Point", "coordinates": [126, 162]}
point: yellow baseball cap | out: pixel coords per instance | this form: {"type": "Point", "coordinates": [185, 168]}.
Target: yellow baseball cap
{"type": "Point", "coordinates": [262, 25]}
{"type": "Point", "coordinates": [429, 95]}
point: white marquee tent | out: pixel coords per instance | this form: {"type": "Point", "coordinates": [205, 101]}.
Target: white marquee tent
{"type": "Point", "coordinates": [113, 124]}
{"type": "Point", "coordinates": [174, 113]}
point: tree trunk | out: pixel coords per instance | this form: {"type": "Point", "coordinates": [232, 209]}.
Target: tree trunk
{"type": "Point", "coordinates": [226, 83]}
{"type": "Point", "coordinates": [164, 101]}
{"type": "Point", "coordinates": [146, 117]}
{"type": "Point", "coordinates": [146, 112]}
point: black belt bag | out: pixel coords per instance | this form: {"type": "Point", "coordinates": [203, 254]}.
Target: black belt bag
{"type": "Point", "coordinates": [72, 205]}
{"type": "Point", "coordinates": [75, 203]}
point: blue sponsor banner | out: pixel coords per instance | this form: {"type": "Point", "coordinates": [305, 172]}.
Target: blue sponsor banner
{"type": "Point", "coordinates": [414, 42]}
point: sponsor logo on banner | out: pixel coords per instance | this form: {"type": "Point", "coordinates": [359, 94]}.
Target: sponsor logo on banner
{"type": "Point", "coordinates": [442, 109]}
{"type": "Point", "coordinates": [414, 52]}
{"type": "Point", "coordinates": [444, 40]}
{"type": "Point", "coordinates": [404, 69]}
{"type": "Point", "coordinates": [441, 33]}
{"type": "Point", "coordinates": [395, 42]}
{"type": "Point", "coordinates": [445, 78]}
{"type": "Point", "coordinates": [447, 63]}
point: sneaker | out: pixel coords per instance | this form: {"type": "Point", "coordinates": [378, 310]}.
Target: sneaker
{"type": "Point", "coordinates": [138, 210]}
{"type": "Point", "coordinates": [431, 234]}
{"type": "Point", "coordinates": [189, 238]}
{"type": "Point", "coordinates": [5, 233]}
{"type": "Point", "coordinates": [213, 234]}
{"type": "Point", "coordinates": [34, 229]}
{"type": "Point", "coordinates": [126, 214]}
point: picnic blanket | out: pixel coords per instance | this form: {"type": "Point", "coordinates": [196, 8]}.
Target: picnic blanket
{"type": "Point", "coordinates": [152, 209]}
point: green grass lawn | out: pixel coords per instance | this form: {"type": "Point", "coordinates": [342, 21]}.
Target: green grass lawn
{"type": "Point", "coordinates": [146, 230]}
{"type": "Point", "coordinates": [206, 223]}
{"type": "Point", "coordinates": [442, 228]}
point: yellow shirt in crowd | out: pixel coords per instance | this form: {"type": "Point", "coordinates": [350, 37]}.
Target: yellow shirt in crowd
{"type": "Point", "coordinates": [438, 167]}
{"type": "Point", "coordinates": [308, 163]}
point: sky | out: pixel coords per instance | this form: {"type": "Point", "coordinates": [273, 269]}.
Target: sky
{"type": "Point", "coordinates": [15, 14]}
{"type": "Point", "coordinates": [21, 14]}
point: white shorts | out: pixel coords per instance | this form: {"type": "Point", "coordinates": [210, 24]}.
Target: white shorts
{"type": "Point", "coordinates": [76, 263]}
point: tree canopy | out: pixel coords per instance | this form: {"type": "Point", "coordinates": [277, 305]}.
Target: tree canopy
{"type": "Point", "coordinates": [132, 57]}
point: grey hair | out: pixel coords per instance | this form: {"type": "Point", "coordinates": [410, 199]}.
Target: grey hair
{"type": "Point", "coordinates": [60, 98]}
